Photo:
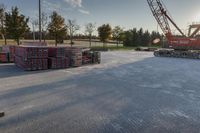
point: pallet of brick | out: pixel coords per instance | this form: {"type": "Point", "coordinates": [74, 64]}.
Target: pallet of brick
{"type": "Point", "coordinates": [75, 55]}
{"type": "Point", "coordinates": [31, 58]}
{"type": "Point", "coordinates": [31, 64]}
{"type": "Point", "coordinates": [12, 53]}
{"type": "Point", "coordinates": [86, 57]}
{"type": "Point", "coordinates": [10, 50]}
{"type": "Point", "coordinates": [28, 52]}
{"type": "Point", "coordinates": [58, 63]}
{"type": "Point", "coordinates": [4, 57]}
{"type": "Point", "coordinates": [56, 52]}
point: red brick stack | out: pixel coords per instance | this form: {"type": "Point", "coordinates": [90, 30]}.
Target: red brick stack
{"type": "Point", "coordinates": [7, 54]}
{"type": "Point", "coordinates": [75, 55]}
{"type": "Point", "coordinates": [57, 58]}
{"type": "Point", "coordinates": [4, 57]}
{"type": "Point", "coordinates": [31, 58]}
{"type": "Point", "coordinates": [10, 50]}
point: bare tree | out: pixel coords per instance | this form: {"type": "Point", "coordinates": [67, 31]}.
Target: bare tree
{"type": "Point", "coordinates": [35, 24]}
{"type": "Point", "coordinates": [72, 28]}
{"type": "Point", "coordinates": [44, 24]}
{"type": "Point", "coordinates": [2, 23]}
{"type": "Point", "coordinates": [89, 29]}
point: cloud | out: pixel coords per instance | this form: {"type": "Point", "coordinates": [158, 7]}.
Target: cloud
{"type": "Point", "coordinates": [84, 11]}
{"type": "Point", "coordinates": [50, 5]}
{"type": "Point", "coordinates": [74, 3]}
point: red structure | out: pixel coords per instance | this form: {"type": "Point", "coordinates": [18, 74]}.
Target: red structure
{"type": "Point", "coordinates": [183, 46]}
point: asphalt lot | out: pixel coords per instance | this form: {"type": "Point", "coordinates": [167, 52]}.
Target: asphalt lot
{"type": "Point", "coordinates": [129, 92]}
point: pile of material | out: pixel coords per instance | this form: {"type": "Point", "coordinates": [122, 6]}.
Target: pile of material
{"type": "Point", "coordinates": [41, 57]}
{"type": "Point", "coordinates": [31, 58]}
{"type": "Point", "coordinates": [75, 56]}
{"type": "Point", "coordinates": [4, 57]}
{"type": "Point", "coordinates": [90, 57]}
{"type": "Point", "coordinates": [57, 58]}
{"type": "Point", "coordinates": [7, 54]}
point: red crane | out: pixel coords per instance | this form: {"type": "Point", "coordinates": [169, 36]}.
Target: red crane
{"type": "Point", "coordinates": [182, 46]}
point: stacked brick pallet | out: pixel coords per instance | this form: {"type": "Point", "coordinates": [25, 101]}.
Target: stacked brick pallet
{"type": "Point", "coordinates": [75, 55]}
{"type": "Point", "coordinates": [57, 58]}
{"type": "Point", "coordinates": [41, 58]}
{"type": "Point", "coordinates": [4, 57]}
{"type": "Point", "coordinates": [31, 58]}
{"type": "Point", "coordinates": [10, 50]}
{"type": "Point", "coordinates": [7, 54]}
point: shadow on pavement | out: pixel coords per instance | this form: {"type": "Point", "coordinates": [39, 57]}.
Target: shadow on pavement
{"type": "Point", "coordinates": [133, 97]}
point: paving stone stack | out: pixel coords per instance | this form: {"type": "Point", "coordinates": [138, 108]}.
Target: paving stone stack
{"type": "Point", "coordinates": [31, 58]}
{"type": "Point", "coordinates": [75, 55]}
{"type": "Point", "coordinates": [57, 58]}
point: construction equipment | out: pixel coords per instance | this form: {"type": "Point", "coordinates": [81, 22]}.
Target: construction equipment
{"type": "Point", "coordinates": [179, 46]}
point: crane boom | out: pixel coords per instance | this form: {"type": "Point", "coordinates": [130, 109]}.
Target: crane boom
{"type": "Point", "coordinates": [182, 47]}
{"type": "Point", "coordinates": [162, 17]}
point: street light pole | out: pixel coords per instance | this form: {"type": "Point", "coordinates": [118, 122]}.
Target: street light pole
{"type": "Point", "coordinates": [40, 34]}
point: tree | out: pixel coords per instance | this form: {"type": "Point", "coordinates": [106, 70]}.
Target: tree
{"type": "Point", "coordinates": [57, 27]}
{"type": "Point", "coordinates": [44, 24]}
{"type": "Point", "coordinates": [72, 28]}
{"type": "Point", "coordinates": [140, 35]}
{"type": "Point", "coordinates": [16, 24]}
{"type": "Point", "coordinates": [146, 39]}
{"type": "Point", "coordinates": [2, 24]}
{"type": "Point", "coordinates": [131, 38]}
{"type": "Point", "coordinates": [117, 34]}
{"type": "Point", "coordinates": [89, 29]}
{"type": "Point", "coordinates": [35, 24]}
{"type": "Point", "coordinates": [105, 32]}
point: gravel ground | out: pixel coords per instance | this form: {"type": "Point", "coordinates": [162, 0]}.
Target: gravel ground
{"type": "Point", "coordinates": [130, 92]}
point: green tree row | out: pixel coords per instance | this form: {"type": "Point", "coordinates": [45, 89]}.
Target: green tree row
{"type": "Point", "coordinates": [15, 25]}
{"type": "Point", "coordinates": [140, 37]}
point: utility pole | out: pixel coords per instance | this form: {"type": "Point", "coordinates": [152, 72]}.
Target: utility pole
{"type": "Point", "coordinates": [40, 32]}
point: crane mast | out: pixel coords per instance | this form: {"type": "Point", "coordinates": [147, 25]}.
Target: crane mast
{"type": "Point", "coordinates": [160, 14]}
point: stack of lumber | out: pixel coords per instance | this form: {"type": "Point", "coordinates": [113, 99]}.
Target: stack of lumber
{"type": "Point", "coordinates": [57, 58]}
{"type": "Point", "coordinates": [31, 58]}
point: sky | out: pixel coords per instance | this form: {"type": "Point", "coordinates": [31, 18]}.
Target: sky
{"type": "Point", "coordinates": [126, 13]}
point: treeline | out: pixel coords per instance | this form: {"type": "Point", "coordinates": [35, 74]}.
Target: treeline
{"type": "Point", "coordinates": [14, 25]}
{"type": "Point", "coordinates": [140, 37]}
